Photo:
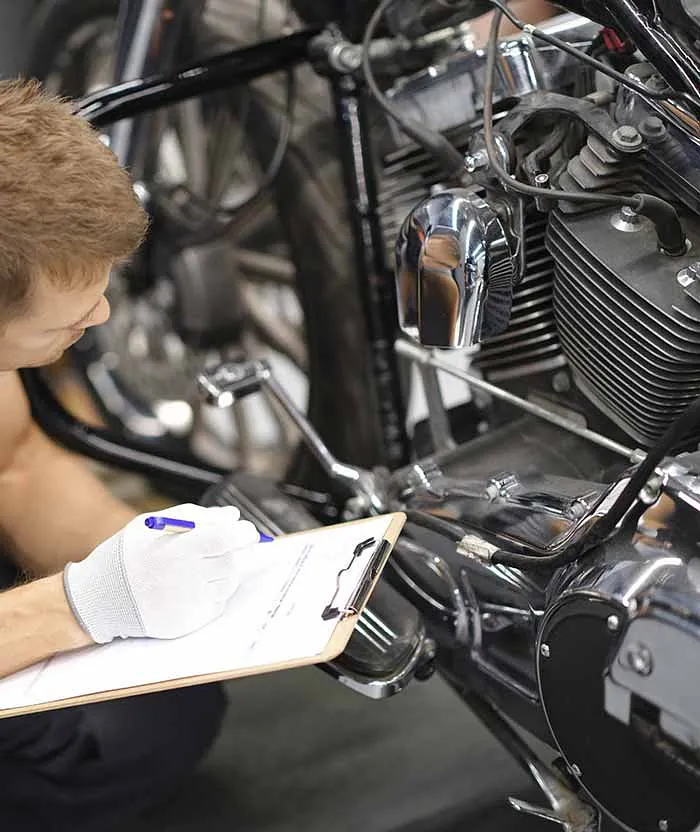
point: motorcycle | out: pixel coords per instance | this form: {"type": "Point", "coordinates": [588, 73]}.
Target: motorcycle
{"type": "Point", "coordinates": [540, 203]}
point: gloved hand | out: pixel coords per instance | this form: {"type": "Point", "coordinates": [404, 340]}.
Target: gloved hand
{"type": "Point", "coordinates": [142, 582]}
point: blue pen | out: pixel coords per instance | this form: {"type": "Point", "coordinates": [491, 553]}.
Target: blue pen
{"type": "Point", "coordinates": [173, 524]}
{"type": "Point", "coordinates": [169, 523]}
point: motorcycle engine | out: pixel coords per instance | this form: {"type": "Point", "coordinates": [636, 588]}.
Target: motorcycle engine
{"type": "Point", "coordinates": [605, 329]}
{"type": "Point", "coordinates": [635, 364]}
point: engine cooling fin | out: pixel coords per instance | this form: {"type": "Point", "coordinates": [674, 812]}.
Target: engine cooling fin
{"type": "Point", "coordinates": [630, 331]}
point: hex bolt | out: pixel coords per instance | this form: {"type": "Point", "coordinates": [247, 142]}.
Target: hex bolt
{"type": "Point", "coordinates": [640, 659]}
{"type": "Point", "coordinates": [474, 161]}
{"type": "Point", "coordinates": [652, 128]}
{"type": "Point", "coordinates": [613, 623]}
{"type": "Point", "coordinates": [626, 137]}
{"type": "Point", "coordinates": [544, 651]}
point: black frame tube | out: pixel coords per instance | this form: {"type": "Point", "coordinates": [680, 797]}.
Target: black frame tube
{"type": "Point", "coordinates": [375, 279]}
{"type": "Point", "coordinates": [106, 445]}
{"type": "Point", "coordinates": [238, 66]}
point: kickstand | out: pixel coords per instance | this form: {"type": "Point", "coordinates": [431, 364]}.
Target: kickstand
{"type": "Point", "coordinates": [565, 806]}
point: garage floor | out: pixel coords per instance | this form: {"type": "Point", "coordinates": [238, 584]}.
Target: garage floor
{"type": "Point", "coordinates": [299, 753]}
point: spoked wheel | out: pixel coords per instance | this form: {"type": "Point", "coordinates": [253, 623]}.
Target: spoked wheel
{"type": "Point", "coordinates": [229, 270]}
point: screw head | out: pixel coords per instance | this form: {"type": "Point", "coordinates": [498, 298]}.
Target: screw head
{"type": "Point", "coordinates": [544, 651]}
{"type": "Point", "coordinates": [627, 137]}
{"type": "Point", "coordinates": [652, 128]}
{"type": "Point", "coordinates": [627, 133]}
{"type": "Point", "coordinates": [474, 161]}
{"type": "Point", "coordinates": [640, 659]}
{"type": "Point", "coordinates": [542, 180]}
{"type": "Point", "coordinates": [613, 623]}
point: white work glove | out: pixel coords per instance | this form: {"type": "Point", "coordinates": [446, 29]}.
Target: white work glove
{"type": "Point", "coordinates": [160, 584]}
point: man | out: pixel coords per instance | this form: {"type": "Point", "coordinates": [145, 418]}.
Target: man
{"type": "Point", "coordinates": [67, 215]}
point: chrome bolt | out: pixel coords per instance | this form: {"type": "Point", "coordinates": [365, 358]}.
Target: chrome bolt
{"type": "Point", "coordinates": [544, 651]}
{"type": "Point", "coordinates": [542, 180]}
{"type": "Point", "coordinates": [626, 137]}
{"type": "Point", "coordinates": [663, 825]}
{"type": "Point", "coordinates": [575, 770]}
{"type": "Point", "coordinates": [628, 213]}
{"type": "Point", "coordinates": [651, 491]}
{"type": "Point", "coordinates": [640, 659]}
{"type": "Point", "coordinates": [474, 161]}
{"type": "Point", "coordinates": [613, 623]}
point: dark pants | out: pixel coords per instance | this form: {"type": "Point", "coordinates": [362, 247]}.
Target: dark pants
{"type": "Point", "coordinates": [96, 766]}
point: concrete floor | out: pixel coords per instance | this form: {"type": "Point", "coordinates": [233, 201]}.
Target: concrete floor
{"type": "Point", "coordinates": [299, 752]}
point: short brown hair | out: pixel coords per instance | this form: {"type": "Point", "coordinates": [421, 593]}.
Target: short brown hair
{"type": "Point", "coordinates": [66, 206]}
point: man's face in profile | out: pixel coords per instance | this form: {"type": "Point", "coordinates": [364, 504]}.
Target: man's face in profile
{"type": "Point", "coordinates": [56, 319]}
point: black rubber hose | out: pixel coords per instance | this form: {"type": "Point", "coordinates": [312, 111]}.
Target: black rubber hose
{"type": "Point", "coordinates": [434, 523]}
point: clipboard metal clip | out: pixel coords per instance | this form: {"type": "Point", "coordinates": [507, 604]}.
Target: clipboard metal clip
{"type": "Point", "coordinates": [358, 599]}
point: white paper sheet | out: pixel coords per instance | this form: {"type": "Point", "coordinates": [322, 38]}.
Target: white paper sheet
{"type": "Point", "coordinates": [274, 617]}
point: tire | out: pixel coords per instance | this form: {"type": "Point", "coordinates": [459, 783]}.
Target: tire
{"type": "Point", "coordinates": [310, 200]}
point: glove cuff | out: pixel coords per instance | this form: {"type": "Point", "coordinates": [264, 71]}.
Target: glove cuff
{"type": "Point", "coordinates": [98, 594]}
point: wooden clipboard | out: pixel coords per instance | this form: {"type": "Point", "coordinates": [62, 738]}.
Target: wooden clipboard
{"type": "Point", "coordinates": [345, 617]}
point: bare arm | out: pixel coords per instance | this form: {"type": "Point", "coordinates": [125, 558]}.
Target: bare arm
{"type": "Point", "coordinates": [35, 623]}
{"type": "Point", "coordinates": [529, 11]}
{"type": "Point", "coordinates": [52, 508]}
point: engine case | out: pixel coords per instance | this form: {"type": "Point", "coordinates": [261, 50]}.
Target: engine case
{"type": "Point", "coordinates": [604, 649]}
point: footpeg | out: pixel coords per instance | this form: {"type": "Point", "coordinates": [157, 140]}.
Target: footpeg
{"type": "Point", "coordinates": [234, 380]}
{"type": "Point", "coordinates": [565, 807]}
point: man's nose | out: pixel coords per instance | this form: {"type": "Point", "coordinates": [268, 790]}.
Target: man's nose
{"type": "Point", "coordinates": [101, 313]}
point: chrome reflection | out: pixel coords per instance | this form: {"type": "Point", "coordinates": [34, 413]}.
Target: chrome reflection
{"type": "Point", "coordinates": [454, 271]}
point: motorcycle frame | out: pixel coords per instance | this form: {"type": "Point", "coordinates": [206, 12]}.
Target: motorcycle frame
{"type": "Point", "coordinates": [126, 100]}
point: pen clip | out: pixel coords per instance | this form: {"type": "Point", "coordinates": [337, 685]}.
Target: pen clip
{"type": "Point", "coordinates": [370, 573]}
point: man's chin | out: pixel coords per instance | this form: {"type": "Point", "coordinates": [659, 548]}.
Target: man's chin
{"type": "Point", "coordinates": [43, 362]}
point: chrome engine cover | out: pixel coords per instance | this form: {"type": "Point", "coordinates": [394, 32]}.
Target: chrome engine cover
{"type": "Point", "coordinates": [605, 648]}
{"type": "Point", "coordinates": [618, 672]}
